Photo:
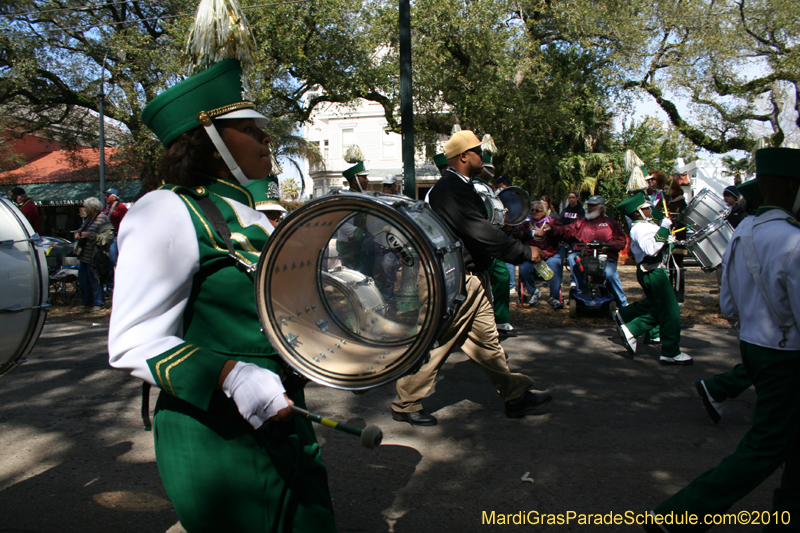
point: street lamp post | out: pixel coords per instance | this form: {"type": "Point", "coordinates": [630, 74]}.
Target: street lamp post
{"type": "Point", "coordinates": [102, 97]}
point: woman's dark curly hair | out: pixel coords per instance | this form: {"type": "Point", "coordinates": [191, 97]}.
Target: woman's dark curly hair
{"type": "Point", "coordinates": [189, 159]}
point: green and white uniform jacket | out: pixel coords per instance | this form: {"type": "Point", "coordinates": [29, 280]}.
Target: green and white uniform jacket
{"type": "Point", "coordinates": [181, 307]}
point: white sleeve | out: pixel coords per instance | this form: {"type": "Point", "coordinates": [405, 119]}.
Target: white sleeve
{"type": "Point", "coordinates": [158, 257]}
{"type": "Point", "coordinates": [727, 304]}
{"type": "Point", "coordinates": [648, 242]}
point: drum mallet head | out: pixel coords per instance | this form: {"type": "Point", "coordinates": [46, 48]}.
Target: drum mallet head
{"type": "Point", "coordinates": [371, 436]}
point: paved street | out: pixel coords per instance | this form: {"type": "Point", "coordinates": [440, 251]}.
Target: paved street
{"type": "Point", "coordinates": [620, 435]}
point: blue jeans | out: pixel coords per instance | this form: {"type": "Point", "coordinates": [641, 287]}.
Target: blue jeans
{"type": "Point", "coordinates": [612, 279]}
{"type": "Point", "coordinates": [512, 271]}
{"type": "Point", "coordinates": [527, 271]}
{"type": "Point", "coordinates": [91, 291]}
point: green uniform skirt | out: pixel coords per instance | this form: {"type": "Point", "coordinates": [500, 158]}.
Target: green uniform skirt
{"type": "Point", "coordinates": [222, 475]}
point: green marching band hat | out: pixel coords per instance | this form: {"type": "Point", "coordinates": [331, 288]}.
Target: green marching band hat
{"type": "Point", "coordinates": [750, 190]}
{"type": "Point", "coordinates": [266, 194]}
{"type": "Point", "coordinates": [487, 158]}
{"type": "Point", "coordinates": [440, 160]}
{"type": "Point", "coordinates": [778, 162]}
{"type": "Point", "coordinates": [632, 204]}
{"type": "Point", "coordinates": [354, 171]}
{"type": "Point", "coordinates": [213, 93]}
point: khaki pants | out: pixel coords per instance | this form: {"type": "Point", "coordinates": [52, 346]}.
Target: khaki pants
{"type": "Point", "coordinates": [473, 329]}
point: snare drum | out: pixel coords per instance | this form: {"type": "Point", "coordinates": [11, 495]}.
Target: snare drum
{"type": "Point", "coordinates": [517, 203]}
{"type": "Point", "coordinates": [704, 209]}
{"type": "Point", "coordinates": [708, 245]}
{"type": "Point", "coordinates": [708, 231]}
{"type": "Point", "coordinates": [24, 288]}
{"type": "Point", "coordinates": [331, 325]}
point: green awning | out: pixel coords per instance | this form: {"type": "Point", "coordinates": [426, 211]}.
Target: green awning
{"type": "Point", "coordinates": [74, 193]}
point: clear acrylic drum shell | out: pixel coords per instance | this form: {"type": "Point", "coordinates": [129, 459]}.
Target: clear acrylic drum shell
{"type": "Point", "coordinates": [708, 245]}
{"type": "Point", "coordinates": [517, 203]}
{"type": "Point", "coordinates": [296, 311]}
{"type": "Point", "coordinates": [24, 288]}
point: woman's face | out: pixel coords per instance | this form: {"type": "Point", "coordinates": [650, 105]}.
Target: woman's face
{"type": "Point", "coordinates": [248, 145]}
{"type": "Point", "coordinates": [537, 212]}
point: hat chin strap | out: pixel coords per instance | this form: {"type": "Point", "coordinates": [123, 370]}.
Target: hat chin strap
{"type": "Point", "coordinates": [226, 155]}
{"type": "Point", "coordinates": [642, 214]}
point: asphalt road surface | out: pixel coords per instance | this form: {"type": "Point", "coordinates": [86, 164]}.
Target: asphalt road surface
{"type": "Point", "coordinates": [620, 436]}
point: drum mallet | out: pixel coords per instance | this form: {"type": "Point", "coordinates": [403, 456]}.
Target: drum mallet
{"type": "Point", "coordinates": [371, 436]}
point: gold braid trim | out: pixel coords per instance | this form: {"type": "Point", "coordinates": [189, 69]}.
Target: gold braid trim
{"type": "Point", "coordinates": [204, 117]}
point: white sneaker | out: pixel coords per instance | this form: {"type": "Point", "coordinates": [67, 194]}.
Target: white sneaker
{"type": "Point", "coordinates": [680, 359]}
{"type": "Point", "coordinates": [534, 299]}
{"type": "Point", "coordinates": [628, 340]}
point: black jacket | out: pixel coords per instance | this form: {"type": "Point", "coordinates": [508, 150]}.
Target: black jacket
{"type": "Point", "coordinates": [462, 209]}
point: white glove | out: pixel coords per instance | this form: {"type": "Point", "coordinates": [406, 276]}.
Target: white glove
{"type": "Point", "coordinates": [666, 223]}
{"type": "Point", "coordinates": [672, 239]}
{"type": "Point", "coordinates": [257, 392]}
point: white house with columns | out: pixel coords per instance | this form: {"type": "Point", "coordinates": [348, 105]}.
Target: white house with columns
{"type": "Point", "coordinates": [336, 127]}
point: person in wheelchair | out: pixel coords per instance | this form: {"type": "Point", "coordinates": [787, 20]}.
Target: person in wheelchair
{"type": "Point", "coordinates": [596, 226]}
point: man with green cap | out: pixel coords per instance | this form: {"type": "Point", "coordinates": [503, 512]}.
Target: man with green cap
{"type": "Point", "coordinates": [229, 453]}
{"type": "Point", "coordinates": [660, 306]}
{"type": "Point", "coordinates": [760, 285]}
{"type": "Point", "coordinates": [440, 161]}
{"type": "Point", "coordinates": [356, 245]}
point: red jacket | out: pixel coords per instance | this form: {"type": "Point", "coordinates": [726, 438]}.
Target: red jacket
{"type": "Point", "coordinates": [602, 229]}
{"type": "Point", "coordinates": [31, 212]}
{"type": "Point", "coordinates": [548, 244]}
{"type": "Point", "coordinates": [115, 216]}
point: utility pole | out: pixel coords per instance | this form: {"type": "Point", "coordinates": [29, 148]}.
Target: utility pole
{"type": "Point", "coordinates": [102, 97]}
{"type": "Point", "coordinates": [407, 101]}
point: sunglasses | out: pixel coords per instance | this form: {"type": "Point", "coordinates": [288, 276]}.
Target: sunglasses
{"type": "Point", "coordinates": [477, 150]}
{"type": "Point", "coordinates": [538, 211]}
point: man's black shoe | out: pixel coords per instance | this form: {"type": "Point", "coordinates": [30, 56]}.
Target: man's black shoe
{"type": "Point", "coordinates": [417, 418]}
{"type": "Point", "coordinates": [526, 403]}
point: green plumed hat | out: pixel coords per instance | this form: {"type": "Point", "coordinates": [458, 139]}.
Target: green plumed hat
{"type": "Point", "coordinates": [778, 162]}
{"type": "Point", "coordinates": [487, 158]}
{"type": "Point", "coordinates": [266, 194]}
{"type": "Point", "coordinates": [354, 171]}
{"type": "Point", "coordinates": [750, 190]}
{"type": "Point", "coordinates": [632, 204]}
{"type": "Point", "coordinates": [213, 93]}
{"type": "Point", "coordinates": [440, 160]}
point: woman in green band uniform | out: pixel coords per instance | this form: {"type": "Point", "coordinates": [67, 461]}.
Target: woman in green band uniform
{"type": "Point", "coordinates": [230, 455]}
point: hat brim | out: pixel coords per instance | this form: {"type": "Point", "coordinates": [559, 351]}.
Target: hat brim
{"type": "Point", "coordinates": [271, 207]}
{"type": "Point", "coordinates": [260, 119]}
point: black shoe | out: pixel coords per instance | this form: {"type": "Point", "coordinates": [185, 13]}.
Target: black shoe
{"type": "Point", "coordinates": [417, 418]}
{"type": "Point", "coordinates": [713, 407]}
{"type": "Point", "coordinates": [526, 403]}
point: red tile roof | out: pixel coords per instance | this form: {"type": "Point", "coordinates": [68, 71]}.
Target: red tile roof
{"type": "Point", "coordinates": [64, 166]}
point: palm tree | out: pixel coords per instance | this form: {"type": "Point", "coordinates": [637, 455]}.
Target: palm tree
{"type": "Point", "coordinates": [736, 167]}
{"type": "Point", "coordinates": [288, 144]}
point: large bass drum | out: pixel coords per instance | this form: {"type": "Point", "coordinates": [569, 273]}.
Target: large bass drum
{"type": "Point", "coordinates": [24, 288]}
{"type": "Point", "coordinates": [328, 316]}
{"type": "Point", "coordinates": [707, 228]}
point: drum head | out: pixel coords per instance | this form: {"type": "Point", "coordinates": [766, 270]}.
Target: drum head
{"type": "Point", "coordinates": [353, 289]}
{"type": "Point", "coordinates": [24, 288]}
{"type": "Point", "coordinates": [517, 203]}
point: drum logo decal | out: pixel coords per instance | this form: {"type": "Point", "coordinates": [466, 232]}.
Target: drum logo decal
{"type": "Point", "coordinates": [396, 246]}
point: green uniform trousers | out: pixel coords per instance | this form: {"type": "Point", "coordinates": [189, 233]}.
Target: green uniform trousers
{"type": "Point", "coordinates": [659, 308]}
{"type": "Point", "coordinates": [774, 439]}
{"type": "Point", "coordinates": [729, 384]}
{"type": "Point", "coordinates": [222, 475]}
{"type": "Point", "coordinates": [501, 291]}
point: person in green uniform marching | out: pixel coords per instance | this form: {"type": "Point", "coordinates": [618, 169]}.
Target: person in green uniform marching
{"type": "Point", "coordinates": [230, 455]}
{"type": "Point", "coordinates": [660, 306]}
{"type": "Point", "coordinates": [356, 245]}
{"type": "Point", "coordinates": [760, 285]}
